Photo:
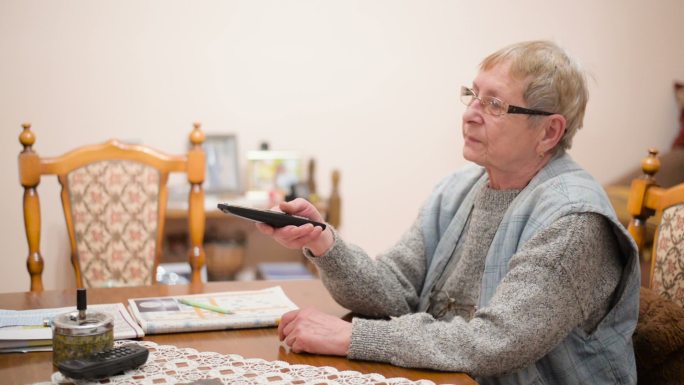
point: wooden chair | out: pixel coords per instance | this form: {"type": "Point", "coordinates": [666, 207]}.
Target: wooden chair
{"type": "Point", "coordinates": [663, 271]}
{"type": "Point", "coordinates": [333, 214]}
{"type": "Point", "coordinates": [332, 207]}
{"type": "Point", "coordinates": [114, 198]}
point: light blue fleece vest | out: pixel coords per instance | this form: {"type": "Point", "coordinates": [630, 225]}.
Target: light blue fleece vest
{"type": "Point", "coordinates": [562, 187]}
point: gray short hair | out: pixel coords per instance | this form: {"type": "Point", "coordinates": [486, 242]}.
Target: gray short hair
{"type": "Point", "coordinates": [554, 82]}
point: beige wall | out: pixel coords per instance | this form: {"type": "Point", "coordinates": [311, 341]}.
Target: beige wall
{"type": "Point", "coordinates": [369, 87]}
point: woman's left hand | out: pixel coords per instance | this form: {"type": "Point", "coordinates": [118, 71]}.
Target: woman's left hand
{"type": "Point", "coordinates": [312, 331]}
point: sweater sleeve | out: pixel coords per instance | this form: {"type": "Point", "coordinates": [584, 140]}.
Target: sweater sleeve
{"type": "Point", "coordinates": [388, 285]}
{"type": "Point", "coordinates": [562, 278]}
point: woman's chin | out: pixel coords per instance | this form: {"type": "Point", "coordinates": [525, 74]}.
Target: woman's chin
{"type": "Point", "coordinates": [472, 156]}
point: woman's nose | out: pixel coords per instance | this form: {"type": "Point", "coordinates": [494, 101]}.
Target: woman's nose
{"type": "Point", "coordinates": [473, 112]}
{"type": "Point", "coordinates": [475, 103]}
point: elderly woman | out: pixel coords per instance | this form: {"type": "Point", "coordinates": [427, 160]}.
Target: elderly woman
{"type": "Point", "coordinates": [516, 269]}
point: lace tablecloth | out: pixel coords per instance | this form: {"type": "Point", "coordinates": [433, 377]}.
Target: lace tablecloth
{"type": "Point", "coordinates": [168, 364]}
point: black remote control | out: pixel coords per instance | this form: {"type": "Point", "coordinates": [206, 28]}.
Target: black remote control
{"type": "Point", "coordinates": [106, 363]}
{"type": "Point", "coordinates": [269, 217]}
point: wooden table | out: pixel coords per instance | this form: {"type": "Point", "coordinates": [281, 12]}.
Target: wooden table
{"type": "Point", "coordinates": [23, 368]}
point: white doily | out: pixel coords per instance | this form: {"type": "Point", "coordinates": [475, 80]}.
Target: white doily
{"type": "Point", "coordinates": [168, 365]}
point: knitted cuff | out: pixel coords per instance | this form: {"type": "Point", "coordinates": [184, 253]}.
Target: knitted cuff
{"type": "Point", "coordinates": [333, 260]}
{"type": "Point", "coordinates": [371, 340]}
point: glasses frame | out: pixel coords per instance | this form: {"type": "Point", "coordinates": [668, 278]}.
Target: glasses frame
{"type": "Point", "coordinates": [445, 304]}
{"type": "Point", "coordinates": [487, 102]}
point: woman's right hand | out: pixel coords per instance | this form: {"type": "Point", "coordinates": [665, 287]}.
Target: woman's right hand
{"type": "Point", "coordinates": [295, 237]}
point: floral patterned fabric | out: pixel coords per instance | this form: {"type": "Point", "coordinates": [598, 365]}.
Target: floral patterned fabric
{"type": "Point", "coordinates": [114, 207]}
{"type": "Point", "coordinates": [668, 275]}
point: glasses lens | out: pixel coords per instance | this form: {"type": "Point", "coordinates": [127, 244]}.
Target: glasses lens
{"type": "Point", "coordinates": [467, 96]}
{"type": "Point", "coordinates": [493, 106]}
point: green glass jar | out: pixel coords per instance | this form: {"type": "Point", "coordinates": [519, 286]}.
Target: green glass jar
{"type": "Point", "coordinates": [74, 337]}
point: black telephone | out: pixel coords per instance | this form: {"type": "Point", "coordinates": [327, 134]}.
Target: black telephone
{"type": "Point", "coordinates": [106, 363]}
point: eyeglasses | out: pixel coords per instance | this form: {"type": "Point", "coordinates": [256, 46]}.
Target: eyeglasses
{"type": "Point", "coordinates": [442, 304]}
{"type": "Point", "coordinates": [495, 106]}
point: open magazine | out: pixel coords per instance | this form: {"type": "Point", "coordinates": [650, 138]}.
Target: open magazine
{"type": "Point", "coordinates": [211, 311]}
{"type": "Point", "coordinates": [24, 330]}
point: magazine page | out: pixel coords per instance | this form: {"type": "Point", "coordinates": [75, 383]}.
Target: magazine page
{"type": "Point", "coordinates": [24, 330]}
{"type": "Point", "coordinates": [211, 311]}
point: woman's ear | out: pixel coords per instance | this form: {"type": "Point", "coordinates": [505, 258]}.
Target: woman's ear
{"type": "Point", "coordinates": [552, 132]}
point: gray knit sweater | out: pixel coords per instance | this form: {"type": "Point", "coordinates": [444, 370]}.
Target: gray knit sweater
{"type": "Point", "coordinates": [562, 278]}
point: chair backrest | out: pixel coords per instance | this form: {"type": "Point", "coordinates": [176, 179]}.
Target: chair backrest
{"type": "Point", "coordinates": [334, 210]}
{"type": "Point", "coordinates": [114, 197]}
{"type": "Point", "coordinates": [333, 206]}
{"type": "Point", "coordinates": [664, 270]}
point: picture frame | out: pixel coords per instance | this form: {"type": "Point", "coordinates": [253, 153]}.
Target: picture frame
{"type": "Point", "coordinates": [223, 170]}
{"type": "Point", "coordinates": [269, 171]}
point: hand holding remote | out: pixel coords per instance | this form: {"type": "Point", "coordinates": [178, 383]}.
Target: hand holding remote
{"type": "Point", "coordinates": [314, 238]}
